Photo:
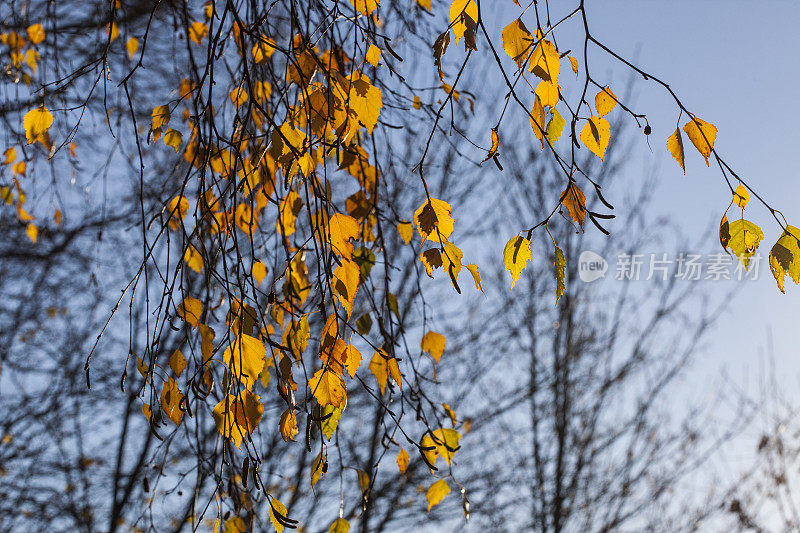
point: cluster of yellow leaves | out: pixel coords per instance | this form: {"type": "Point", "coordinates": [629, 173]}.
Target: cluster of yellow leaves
{"type": "Point", "coordinates": [434, 222]}
{"type": "Point", "coordinates": [20, 55]}
{"type": "Point", "coordinates": [701, 133]}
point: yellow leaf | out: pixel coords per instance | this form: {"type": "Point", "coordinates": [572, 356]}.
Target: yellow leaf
{"type": "Point", "coordinates": [417, 102]}
{"type": "Point", "coordinates": [451, 262]}
{"type": "Point", "coordinates": [702, 134]}
{"type": "Point", "coordinates": [373, 55]}
{"type": "Point", "coordinates": [177, 362]}
{"type": "Point", "coordinates": [675, 147]}
{"type": "Point", "coordinates": [177, 209]}
{"type": "Point", "coordinates": [329, 424]}
{"type": "Point", "coordinates": [406, 231]}
{"type": "Point", "coordinates": [544, 61]}
{"type": "Point", "coordinates": [193, 259]}
{"type": "Point", "coordinates": [239, 97]}
{"type": "Point", "coordinates": [132, 46]}
{"type": "Point", "coordinates": [446, 442]}
{"type": "Point", "coordinates": [495, 145]}
{"type": "Point", "coordinates": [605, 101]}
{"type": "Point", "coordinates": [35, 33]}
{"type": "Point", "coordinates": [259, 271]}
{"type": "Point", "coordinates": [318, 468]}
{"type": "Point", "coordinates": [342, 228]}
{"type": "Point", "coordinates": [740, 196]}
{"type": "Point", "coordinates": [36, 122]}
{"type": "Point", "coordinates": [402, 461]}
{"type": "Point", "coordinates": [555, 126]}
{"type": "Point", "coordinates": [190, 310]}
{"type": "Point", "coordinates": [434, 220]}
{"type": "Point", "coordinates": [457, 21]}
{"type": "Point", "coordinates": [288, 211]}
{"type": "Point", "coordinates": [328, 388]}
{"type": "Point", "coordinates": [263, 49]}
{"type": "Point", "coordinates": [288, 425]}
{"type": "Point", "coordinates": [197, 31]}
{"type": "Point", "coordinates": [112, 31]}
{"type": "Point", "coordinates": [476, 276]}
{"type": "Point", "coordinates": [560, 264]}
{"type": "Point", "coordinates": [170, 401]}
{"type": "Point", "coordinates": [245, 358]}
{"type": "Point", "coordinates": [364, 99]}
{"type": "Point", "coordinates": [11, 156]}
{"type": "Point", "coordinates": [515, 256]}
{"type": "Point", "coordinates": [141, 367]}
{"type": "Point", "coordinates": [173, 138]}
{"type": "Point", "coordinates": [536, 119]}
{"type": "Point", "coordinates": [548, 92]}
{"type": "Point", "coordinates": [436, 493]}
{"type": "Point", "coordinates": [276, 507]}
{"type": "Point", "coordinates": [434, 344]}
{"type": "Point", "coordinates": [425, 3]}
{"type": "Point", "coordinates": [382, 367]}
{"type": "Point", "coordinates": [32, 231]}
{"type": "Point", "coordinates": [574, 63]}
{"type": "Point", "coordinates": [744, 239]}
{"type": "Point", "coordinates": [206, 341]}
{"type": "Point", "coordinates": [238, 415]}
{"type": "Point", "coordinates": [160, 116]}
{"type": "Point", "coordinates": [517, 41]}
{"type": "Point", "coordinates": [235, 524]}
{"type": "Point", "coordinates": [574, 200]}
{"type": "Point", "coordinates": [595, 135]}
{"type": "Point", "coordinates": [340, 525]}
{"type": "Point", "coordinates": [784, 258]}
{"type": "Point", "coordinates": [365, 7]}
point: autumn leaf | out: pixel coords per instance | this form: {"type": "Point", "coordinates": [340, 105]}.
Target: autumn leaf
{"type": "Point", "coordinates": [177, 362]}
{"type": "Point", "coordinates": [342, 228]}
{"type": "Point", "coordinates": [460, 10]}
{"type": "Point", "coordinates": [574, 200]}
{"type": "Point", "coordinates": [288, 425]}
{"type": "Point", "coordinates": [170, 400]}
{"type": "Point", "coordinates": [517, 41]}
{"type": "Point", "coordinates": [373, 55]}
{"type": "Point", "coordinates": [560, 264]}
{"type": "Point", "coordinates": [36, 122]}
{"type": "Point", "coordinates": [745, 237]}
{"type": "Point", "coordinates": [382, 367]}
{"type": "Point", "coordinates": [318, 468]}
{"type": "Point", "coordinates": [544, 61]}
{"type": "Point", "coordinates": [675, 147]}
{"type": "Point", "coordinates": [476, 276]}
{"type": "Point", "coordinates": [259, 271]}
{"type": "Point", "coordinates": [36, 33]}
{"type": "Point", "coordinates": [434, 344]}
{"type": "Point", "coordinates": [330, 423]}
{"type": "Point", "coordinates": [197, 31]}
{"type": "Point", "coordinates": [574, 63]}
{"type": "Point", "coordinates": [328, 388]}
{"type": "Point", "coordinates": [193, 259]}
{"type": "Point", "coordinates": [238, 415]}
{"type": "Point", "coordinates": [245, 357]}
{"type": "Point", "coordinates": [548, 92]}
{"type": "Point", "coordinates": [132, 46]}
{"type": "Point", "coordinates": [515, 256]}
{"type": "Point", "coordinates": [605, 101]}
{"type": "Point", "coordinates": [702, 134]}
{"type": "Point", "coordinates": [436, 493]}
{"type": "Point", "coordinates": [402, 461]}
{"type": "Point", "coordinates": [740, 196]}
{"type": "Point", "coordinates": [190, 310]}
{"type": "Point", "coordinates": [406, 231]}
{"type": "Point", "coordinates": [536, 119]}
{"type": "Point", "coordinates": [340, 525]}
{"type": "Point", "coordinates": [595, 135]}
{"type": "Point", "coordinates": [446, 442]}
{"type": "Point", "coordinates": [784, 257]}
{"type": "Point", "coordinates": [495, 145]}
{"type": "Point", "coordinates": [555, 126]}
{"type": "Point", "coordinates": [277, 515]}
{"type": "Point", "coordinates": [365, 7]}
{"type": "Point", "coordinates": [434, 220]}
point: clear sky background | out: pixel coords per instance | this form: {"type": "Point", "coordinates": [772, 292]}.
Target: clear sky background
{"type": "Point", "coordinates": [735, 64]}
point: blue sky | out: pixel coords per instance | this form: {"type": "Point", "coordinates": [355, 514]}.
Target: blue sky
{"type": "Point", "coordinates": [737, 66]}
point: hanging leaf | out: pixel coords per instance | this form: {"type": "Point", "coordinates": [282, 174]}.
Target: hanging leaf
{"type": "Point", "coordinates": [436, 493]}
{"type": "Point", "coordinates": [595, 135]}
{"type": "Point", "coordinates": [702, 134]}
{"type": "Point", "coordinates": [515, 256]}
{"type": "Point", "coordinates": [675, 147]}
